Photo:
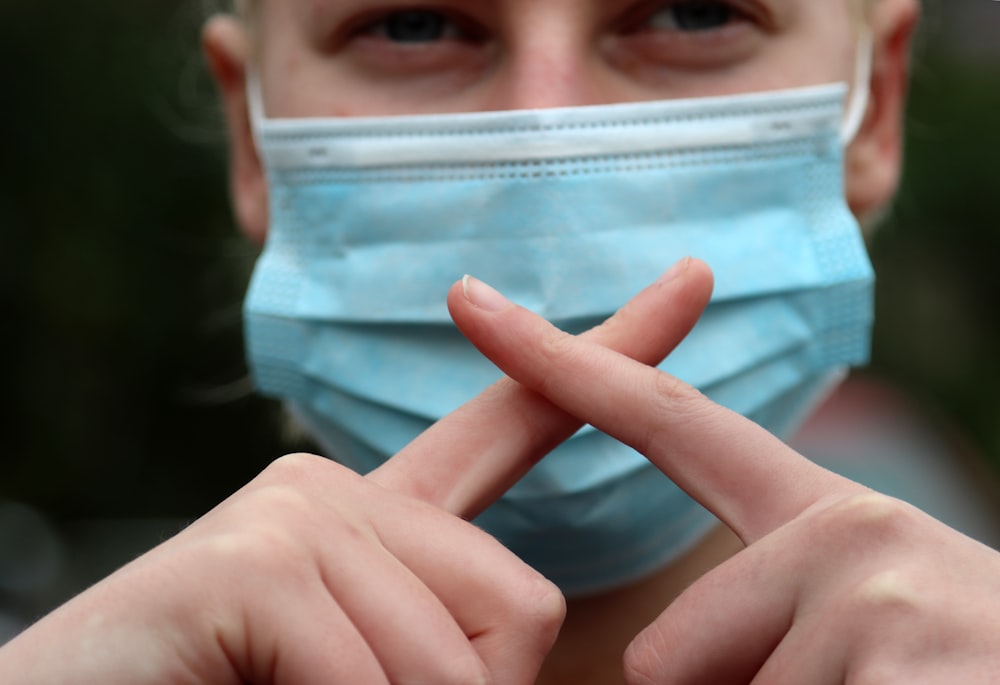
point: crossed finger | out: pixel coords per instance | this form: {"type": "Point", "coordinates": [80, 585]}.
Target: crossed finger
{"type": "Point", "coordinates": [733, 467]}
{"type": "Point", "coordinates": [471, 457]}
{"type": "Point", "coordinates": [507, 428]}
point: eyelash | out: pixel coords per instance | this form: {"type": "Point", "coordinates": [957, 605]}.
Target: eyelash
{"type": "Point", "coordinates": [643, 18]}
{"type": "Point", "coordinates": [456, 28]}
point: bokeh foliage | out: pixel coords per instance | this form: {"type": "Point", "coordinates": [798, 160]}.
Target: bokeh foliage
{"type": "Point", "coordinates": [121, 273]}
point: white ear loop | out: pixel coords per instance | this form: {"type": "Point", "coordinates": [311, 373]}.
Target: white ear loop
{"type": "Point", "coordinates": [255, 98]}
{"type": "Point", "coordinates": [857, 104]}
{"type": "Point", "coordinates": [255, 104]}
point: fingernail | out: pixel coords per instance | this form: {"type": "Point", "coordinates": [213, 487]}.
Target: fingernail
{"type": "Point", "coordinates": [675, 271]}
{"type": "Point", "coordinates": [482, 295]}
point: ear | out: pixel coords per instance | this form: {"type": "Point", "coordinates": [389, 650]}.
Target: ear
{"type": "Point", "coordinates": [226, 46]}
{"type": "Point", "coordinates": [874, 158]}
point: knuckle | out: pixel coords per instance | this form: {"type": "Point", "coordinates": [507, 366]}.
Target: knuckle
{"type": "Point", "coordinates": [676, 397]}
{"type": "Point", "coordinates": [871, 517]}
{"type": "Point", "coordinates": [887, 593]}
{"type": "Point", "coordinates": [643, 662]}
{"type": "Point", "coordinates": [539, 606]}
{"type": "Point", "coordinates": [292, 467]}
{"type": "Point", "coordinates": [670, 389]}
{"type": "Point", "coordinates": [259, 546]}
{"type": "Point", "coordinates": [309, 473]}
{"type": "Point", "coordinates": [548, 608]}
{"type": "Point", "coordinates": [271, 532]}
{"type": "Point", "coordinates": [276, 507]}
{"type": "Point", "coordinates": [673, 399]}
{"type": "Point", "coordinates": [553, 349]}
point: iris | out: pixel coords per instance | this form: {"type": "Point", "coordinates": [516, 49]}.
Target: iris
{"type": "Point", "coordinates": [415, 26]}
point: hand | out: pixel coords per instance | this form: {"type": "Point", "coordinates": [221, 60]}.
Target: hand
{"type": "Point", "coordinates": [838, 584]}
{"type": "Point", "coordinates": [313, 574]}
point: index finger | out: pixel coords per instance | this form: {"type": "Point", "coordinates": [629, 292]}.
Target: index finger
{"type": "Point", "coordinates": [747, 477]}
{"type": "Point", "coordinates": [464, 462]}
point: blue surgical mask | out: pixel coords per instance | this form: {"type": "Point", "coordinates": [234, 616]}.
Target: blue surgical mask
{"type": "Point", "coordinates": [569, 212]}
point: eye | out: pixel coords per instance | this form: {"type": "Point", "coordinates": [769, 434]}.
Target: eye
{"type": "Point", "coordinates": [415, 26]}
{"type": "Point", "coordinates": [694, 15]}
{"type": "Point", "coordinates": [662, 39]}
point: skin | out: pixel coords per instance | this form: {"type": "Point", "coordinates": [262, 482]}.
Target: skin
{"type": "Point", "coordinates": [381, 579]}
{"type": "Point", "coordinates": [315, 58]}
{"type": "Point", "coordinates": [335, 58]}
{"type": "Point", "coordinates": [837, 584]}
{"type": "Point", "coordinates": [314, 574]}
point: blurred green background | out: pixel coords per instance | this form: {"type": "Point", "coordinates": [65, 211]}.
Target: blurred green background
{"type": "Point", "coordinates": [936, 254]}
{"type": "Point", "coordinates": [122, 273]}
{"type": "Point", "coordinates": [121, 267]}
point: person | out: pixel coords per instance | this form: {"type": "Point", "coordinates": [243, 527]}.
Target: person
{"type": "Point", "coordinates": [315, 573]}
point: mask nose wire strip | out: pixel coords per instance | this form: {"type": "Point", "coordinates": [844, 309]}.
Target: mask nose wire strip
{"type": "Point", "coordinates": [857, 105]}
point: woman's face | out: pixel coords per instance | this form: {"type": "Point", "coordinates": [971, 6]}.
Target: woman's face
{"type": "Point", "coordinates": [366, 57]}
{"type": "Point", "coordinates": [379, 57]}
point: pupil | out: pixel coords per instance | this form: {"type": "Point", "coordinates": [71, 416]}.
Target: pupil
{"type": "Point", "coordinates": [415, 26]}
{"type": "Point", "coordinates": [702, 16]}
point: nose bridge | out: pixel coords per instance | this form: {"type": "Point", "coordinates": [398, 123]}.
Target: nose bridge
{"type": "Point", "coordinates": [546, 61]}
{"type": "Point", "coordinates": [547, 79]}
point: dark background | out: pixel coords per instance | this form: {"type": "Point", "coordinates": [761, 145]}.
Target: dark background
{"type": "Point", "coordinates": [121, 274]}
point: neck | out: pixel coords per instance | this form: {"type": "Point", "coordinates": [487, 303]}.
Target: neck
{"type": "Point", "coordinates": [598, 629]}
